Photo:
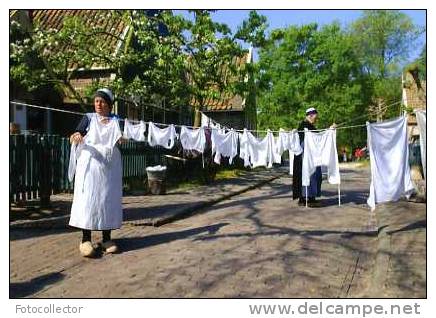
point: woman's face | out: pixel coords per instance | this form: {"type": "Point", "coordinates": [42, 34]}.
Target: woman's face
{"type": "Point", "coordinates": [101, 107]}
{"type": "Point", "coordinates": [312, 118]}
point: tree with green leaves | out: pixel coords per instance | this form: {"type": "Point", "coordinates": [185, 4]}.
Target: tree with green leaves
{"type": "Point", "coordinates": [253, 30]}
{"type": "Point", "coordinates": [156, 61]}
{"type": "Point", "coordinates": [307, 66]}
{"type": "Point", "coordinates": [419, 66]}
{"type": "Point", "coordinates": [213, 52]}
{"type": "Point", "coordinates": [383, 41]}
{"type": "Point", "coordinates": [194, 61]}
{"type": "Point", "coordinates": [144, 63]}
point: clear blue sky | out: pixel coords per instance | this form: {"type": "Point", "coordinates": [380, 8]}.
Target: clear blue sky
{"type": "Point", "coordinates": [283, 18]}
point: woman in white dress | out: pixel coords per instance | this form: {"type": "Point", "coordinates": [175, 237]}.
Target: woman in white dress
{"type": "Point", "coordinates": [98, 175]}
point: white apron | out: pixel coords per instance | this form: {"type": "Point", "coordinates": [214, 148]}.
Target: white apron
{"type": "Point", "coordinates": [98, 178]}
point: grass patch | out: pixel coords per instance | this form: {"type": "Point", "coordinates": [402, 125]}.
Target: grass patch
{"type": "Point", "coordinates": [228, 174]}
{"type": "Point", "coordinates": [221, 175]}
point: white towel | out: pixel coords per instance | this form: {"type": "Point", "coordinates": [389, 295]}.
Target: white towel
{"type": "Point", "coordinates": [256, 153]}
{"type": "Point", "coordinates": [290, 141]}
{"type": "Point", "coordinates": [209, 122]}
{"type": "Point", "coordinates": [389, 157]}
{"type": "Point", "coordinates": [193, 139]}
{"type": "Point", "coordinates": [224, 145]}
{"type": "Point", "coordinates": [135, 132]}
{"type": "Point", "coordinates": [205, 121]}
{"type": "Point", "coordinates": [164, 137]}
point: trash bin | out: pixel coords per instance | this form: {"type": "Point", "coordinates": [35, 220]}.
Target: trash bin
{"type": "Point", "coordinates": [156, 179]}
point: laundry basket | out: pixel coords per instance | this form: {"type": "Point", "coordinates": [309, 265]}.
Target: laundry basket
{"type": "Point", "coordinates": [156, 179]}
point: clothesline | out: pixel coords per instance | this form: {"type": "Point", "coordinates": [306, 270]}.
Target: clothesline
{"type": "Point", "coordinates": [267, 151]}
{"type": "Point", "coordinates": [175, 125]}
{"type": "Point", "coordinates": [382, 109]}
{"type": "Point", "coordinates": [277, 131]}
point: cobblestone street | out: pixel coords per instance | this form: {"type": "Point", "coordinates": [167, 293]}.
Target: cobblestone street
{"type": "Point", "coordinates": [259, 243]}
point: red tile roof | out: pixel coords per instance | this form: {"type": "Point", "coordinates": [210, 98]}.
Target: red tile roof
{"type": "Point", "coordinates": [54, 19]}
{"type": "Point", "coordinates": [227, 101]}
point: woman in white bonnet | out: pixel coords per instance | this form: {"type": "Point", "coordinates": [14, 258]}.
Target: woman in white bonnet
{"type": "Point", "coordinates": [98, 175]}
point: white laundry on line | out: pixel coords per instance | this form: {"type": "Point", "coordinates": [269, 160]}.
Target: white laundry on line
{"type": "Point", "coordinates": [389, 158]}
{"type": "Point", "coordinates": [256, 153]}
{"type": "Point", "coordinates": [421, 118]}
{"type": "Point", "coordinates": [290, 141]}
{"type": "Point", "coordinates": [209, 122]}
{"type": "Point", "coordinates": [224, 145]}
{"type": "Point", "coordinates": [98, 178]}
{"type": "Point", "coordinates": [164, 137]}
{"type": "Point", "coordinates": [193, 139]}
{"type": "Point", "coordinates": [204, 120]}
{"type": "Point", "coordinates": [320, 150]}
{"type": "Point", "coordinates": [134, 131]}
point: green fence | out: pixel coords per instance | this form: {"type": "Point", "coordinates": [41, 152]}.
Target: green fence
{"type": "Point", "coordinates": [38, 165]}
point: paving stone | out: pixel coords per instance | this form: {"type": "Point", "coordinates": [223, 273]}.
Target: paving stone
{"type": "Point", "coordinates": [256, 244]}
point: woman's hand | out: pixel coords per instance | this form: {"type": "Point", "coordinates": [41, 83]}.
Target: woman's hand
{"type": "Point", "coordinates": [122, 141]}
{"type": "Point", "coordinates": [76, 138]}
{"type": "Point", "coordinates": [333, 126]}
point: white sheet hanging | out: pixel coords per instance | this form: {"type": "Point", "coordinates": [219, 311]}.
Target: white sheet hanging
{"type": "Point", "coordinates": [421, 118]}
{"type": "Point", "coordinates": [204, 120]}
{"type": "Point", "coordinates": [134, 131]}
{"type": "Point", "coordinates": [320, 150]}
{"type": "Point", "coordinates": [98, 183]}
{"type": "Point", "coordinates": [193, 139]}
{"type": "Point", "coordinates": [290, 141]}
{"type": "Point", "coordinates": [256, 153]}
{"type": "Point", "coordinates": [209, 122]}
{"type": "Point", "coordinates": [389, 157]}
{"type": "Point", "coordinates": [224, 145]}
{"type": "Point", "coordinates": [164, 137]}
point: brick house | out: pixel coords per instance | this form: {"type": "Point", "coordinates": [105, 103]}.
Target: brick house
{"type": "Point", "coordinates": [62, 123]}
{"type": "Point", "coordinates": [234, 110]}
{"type": "Point", "coordinates": [414, 97]}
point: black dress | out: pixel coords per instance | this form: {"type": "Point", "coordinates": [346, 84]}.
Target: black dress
{"type": "Point", "coordinates": [298, 162]}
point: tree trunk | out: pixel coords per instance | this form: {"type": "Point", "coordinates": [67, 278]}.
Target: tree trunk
{"type": "Point", "coordinates": [197, 114]}
{"type": "Point", "coordinates": [197, 117]}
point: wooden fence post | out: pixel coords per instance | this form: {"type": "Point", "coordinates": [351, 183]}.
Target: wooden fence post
{"type": "Point", "coordinates": [45, 172]}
